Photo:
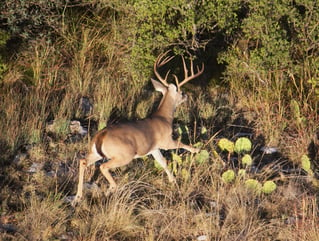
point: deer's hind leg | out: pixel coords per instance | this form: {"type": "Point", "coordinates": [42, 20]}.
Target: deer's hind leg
{"type": "Point", "coordinates": [114, 162]}
{"type": "Point", "coordinates": [91, 158]}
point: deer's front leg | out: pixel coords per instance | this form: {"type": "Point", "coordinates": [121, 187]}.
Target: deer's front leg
{"type": "Point", "coordinates": [174, 144]}
{"type": "Point", "coordinates": [188, 148]}
{"type": "Point", "coordinates": [162, 161]}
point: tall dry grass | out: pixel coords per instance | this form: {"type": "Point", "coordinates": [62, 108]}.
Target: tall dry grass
{"type": "Point", "coordinates": [147, 207]}
{"type": "Point", "coordinates": [43, 218]}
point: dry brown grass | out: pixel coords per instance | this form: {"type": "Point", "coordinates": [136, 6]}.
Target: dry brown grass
{"type": "Point", "coordinates": [43, 218]}
{"type": "Point", "coordinates": [147, 207]}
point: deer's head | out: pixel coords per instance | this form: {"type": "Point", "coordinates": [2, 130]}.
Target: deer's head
{"type": "Point", "coordinates": [171, 91]}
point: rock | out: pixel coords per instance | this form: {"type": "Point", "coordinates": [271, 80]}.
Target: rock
{"type": "Point", "coordinates": [69, 199]}
{"type": "Point", "coordinates": [91, 186]}
{"type": "Point", "coordinates": [85, 106]}
{"type": "Point", "coordinates": [19, 158]}
{"type": "Point", "coordinates": [269, 150]}
{"type": "Point", "coordinates": [8, 228]}
{"type": "Point", "coordinates": [202, 238]}
{"type": "Point", "coordinates": [50, 173]}
{"type": "Point", "coordinates": [76, 128]}
{"type": "Point", "coordinates": [35, 167]}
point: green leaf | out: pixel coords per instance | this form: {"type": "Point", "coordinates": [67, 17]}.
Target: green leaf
{"type": "Point", "coordinates": [202, 156]}
{"type": "Point", "coordinates": [158, 166]}
{"type": "Point", "coordinates": [228, 176]}
{"type": "Point", "coordinates": [226, 145]}
{"type": "Point", "coordinates": [198, 144]}
{"type": "Point", "coordinates": [177, 159]}
{"type": "Point", "coordinates": [295, 109]}
{"type": "Point", "coordinates": [185, 174]}
{"type": "Point", "coordinates": [182, 130]}
{"type": "Point", "coordinates": [242, 144]}
{"type": "Point", "coordinates": [241, 172]}
{"type": "Point", "coordinates": [203, 131]}
{"type": "Point", "coordinates": [247, 160]}
{"type": "Point", "coordinates": [305, 163]}
{"type": "Point", "coordinates": [269, 187]}
{"type": "Point", "coordinates": [253, 184]}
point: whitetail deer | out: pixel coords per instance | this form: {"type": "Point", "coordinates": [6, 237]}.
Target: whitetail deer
{"type": "Point", "coordinates": [121, 143]}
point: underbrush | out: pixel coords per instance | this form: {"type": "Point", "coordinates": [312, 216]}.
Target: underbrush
{"type": "Point", "coordinates": [147, 207]}
{"type": "Point", "coordinates": [93, 69]}
{"type": "Point", "coordinates": [38, 177]}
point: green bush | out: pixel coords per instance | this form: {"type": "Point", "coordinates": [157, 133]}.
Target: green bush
{"type": "Point", "coordinates": [28, 19]}
{"type": "Point", "coordinates": [275, 48]}
{"type": "Point", "coordinates": [182, 25]}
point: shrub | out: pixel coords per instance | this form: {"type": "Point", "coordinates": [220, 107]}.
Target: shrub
{"type": "Point", "coordinates": [275, 48]}
{"type": "Point", "coordinates": [28, 19]}
{"type": "Point", "coordinates": [182, 25]}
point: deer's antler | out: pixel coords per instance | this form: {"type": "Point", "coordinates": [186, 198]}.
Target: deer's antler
{"type": "Point", "coordinates": [186, 76]}
{"type": "Point", "coordinates": [162, 60]}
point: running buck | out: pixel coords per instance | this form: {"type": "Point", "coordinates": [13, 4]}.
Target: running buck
{"type": "Point", "coordinates": [121, 143]}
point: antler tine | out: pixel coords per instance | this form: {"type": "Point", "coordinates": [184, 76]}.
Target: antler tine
{"type": "Point", "coordinates": [159, 63]}
{"type": "Point", "coordinates": [185, 68]}
{"type": "Point", "coordinates": [166, 60]}
{"type": "Point", "coordinates": [192, 75]}
{"type": "Point", "coordinates": [176, 80]}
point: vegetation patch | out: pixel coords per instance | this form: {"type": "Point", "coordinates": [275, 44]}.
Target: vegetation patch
{"type": "Point", "coordinates": [70, 68]}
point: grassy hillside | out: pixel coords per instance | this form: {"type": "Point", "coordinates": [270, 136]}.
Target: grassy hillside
{"type": "Point", "coordinates": [253, 113]}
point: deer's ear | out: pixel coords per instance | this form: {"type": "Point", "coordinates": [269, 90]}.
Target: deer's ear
{"type": "Point", "coordinates": [159, 86]}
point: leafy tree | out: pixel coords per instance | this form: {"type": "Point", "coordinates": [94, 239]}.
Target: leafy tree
{"type": "Point", "coordinates": [27, 19]}
{"type": "Point", "coordinates": [182, 25]}
{"type": "Point", "coordinates": [276, 47]}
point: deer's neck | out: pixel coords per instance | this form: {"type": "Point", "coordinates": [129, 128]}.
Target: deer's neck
{"type": "Point", "coordinates": [166, 108]}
